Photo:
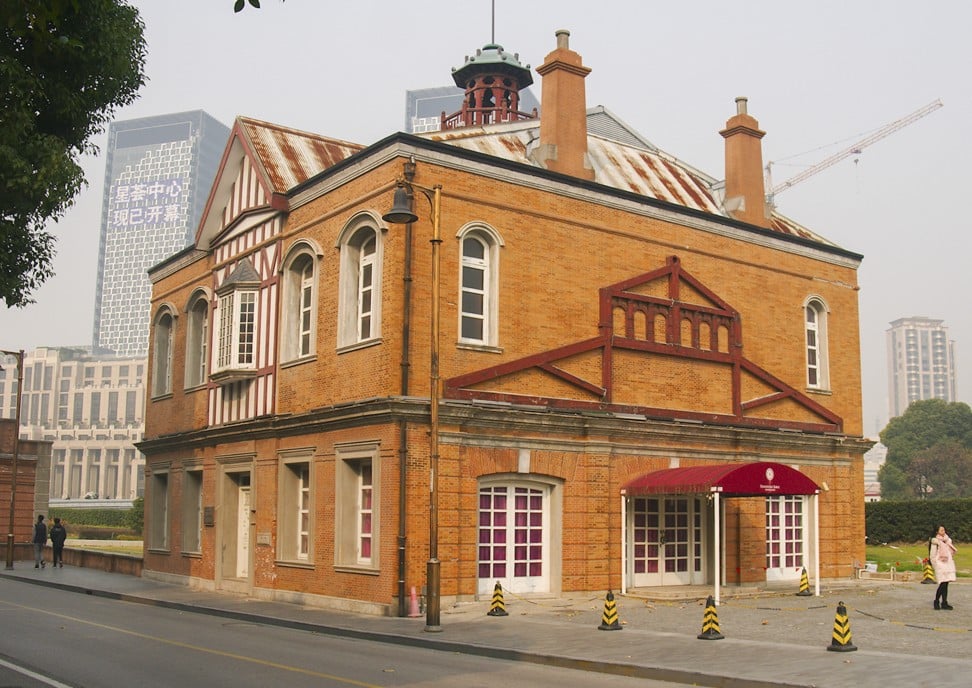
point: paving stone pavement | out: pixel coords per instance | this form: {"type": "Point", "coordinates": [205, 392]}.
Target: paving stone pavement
{"type": "Point", "coordinates": [770, 637]}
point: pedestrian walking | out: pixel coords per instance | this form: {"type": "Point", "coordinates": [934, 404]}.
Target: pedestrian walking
{"type": "Point", "coordinates": [940, 551]}
{"type": "Point", "coordinates": [58, 536]}
{"type": "Point", "coordinates": [40, 539]}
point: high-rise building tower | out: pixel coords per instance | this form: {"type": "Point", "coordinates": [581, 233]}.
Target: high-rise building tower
{"type": "Point", "coordinates": [157, 178]}
{"type": "Point", "coordinates": [921, 362]}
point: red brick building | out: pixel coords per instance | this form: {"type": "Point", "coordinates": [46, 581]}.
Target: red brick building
{"type": "Point", "coordinates": [33, 459]}
{"type": "Point", "coordinates": [647, 378]}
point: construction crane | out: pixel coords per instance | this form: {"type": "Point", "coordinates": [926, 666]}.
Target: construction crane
{"type": "Point", "coordinates": [886, 130]}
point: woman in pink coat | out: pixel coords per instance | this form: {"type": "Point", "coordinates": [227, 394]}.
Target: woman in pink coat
{"type": "Point", "coordinates": [940, 551]}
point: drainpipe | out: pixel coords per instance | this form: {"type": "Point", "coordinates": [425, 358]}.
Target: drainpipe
{"type": "Point", "coordinates": [402, 424]}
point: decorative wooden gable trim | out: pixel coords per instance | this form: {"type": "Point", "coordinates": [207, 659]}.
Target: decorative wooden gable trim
{"type": "Point", "coordinates": [242, 197]}
{"type": "Point", "coordinates": [654, 319]}
{"type": "Point", "coordinates": [236, 397]}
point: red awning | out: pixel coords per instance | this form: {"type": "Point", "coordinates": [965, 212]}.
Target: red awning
{"type": "Point", "coordinates": [731, 479]}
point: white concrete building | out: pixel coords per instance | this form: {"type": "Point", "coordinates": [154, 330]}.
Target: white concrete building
{"type": "Point", "coordinates": [92, 408]}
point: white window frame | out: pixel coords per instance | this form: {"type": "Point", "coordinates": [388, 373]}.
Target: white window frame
{"type": "Point", "coordinates": [366, 503]}
{"type": "Point", "coordinates": [351, 509]}
{"type": "Point", "coordinates": [162, 351]}
{"type": "Point", "coordinates": [551, 492]}
{"type": "Point", "coordinates": [295, 507]}
{"type": "Point", "coordinates": [790, 536]}
{"type": "Point", "coordinates": [352, 309]}
{"type": "Point", "coordinates": [300, 294]}
{"type": "Point", "coordinates": [197, 340]}
{"type": "Point", "coordinates": [192, 510]}
{"type": "Point", "coordinates": [237, 345]}
{"type": "Point", "coordinates": [491, 241]}
{"type": "Point", "coordinates": [816, 347]}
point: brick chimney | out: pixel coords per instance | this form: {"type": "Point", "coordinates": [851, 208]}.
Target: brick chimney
{"type": "Point", "coordinates": [745, 193]}
{"type": "Point", "coordinates": [563, 112]}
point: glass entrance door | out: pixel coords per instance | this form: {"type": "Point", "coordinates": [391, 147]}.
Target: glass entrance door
{"type": "Point", "coordinates": [514, 547]}
{"type": "Point", "coordinates": [666, 541]}
{"type": "Point", "coordinates": [784, 538]}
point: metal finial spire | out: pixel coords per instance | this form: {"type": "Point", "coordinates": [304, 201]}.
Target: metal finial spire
{"type": "Point", "coordinates": [492, 37]}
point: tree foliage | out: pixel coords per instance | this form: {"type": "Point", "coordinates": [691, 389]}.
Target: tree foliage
{"type": "Point", "coordinates": [65, 66]}
{"type": "Point", "coordinates": [929, 452]}
{"type": "Point", "coordinates": [135, 517]}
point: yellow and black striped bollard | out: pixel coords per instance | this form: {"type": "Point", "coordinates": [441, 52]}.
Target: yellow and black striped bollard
{"type": "Point", "coordinates": [928, 573]}
{"type": "Point", "coordinates": [498, 607]}
{"type": "Point", "coordinates": [710, 622]}
{"type": "Point", "coordinates": [841, 641]}
{"type": "Point", "coordinates": [804, 584]}
{"type": "Point", "coordinates": [609, 619]}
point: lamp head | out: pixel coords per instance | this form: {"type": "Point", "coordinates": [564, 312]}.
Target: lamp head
{"type": "Point", "coordinates": [401, 212]}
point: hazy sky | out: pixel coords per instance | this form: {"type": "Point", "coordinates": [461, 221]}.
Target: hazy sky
{"type": "Point", "coordinates": [819, 76]}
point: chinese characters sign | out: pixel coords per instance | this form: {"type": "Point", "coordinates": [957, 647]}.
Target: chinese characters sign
{"type": "Point", "coordinates": [147, 204]}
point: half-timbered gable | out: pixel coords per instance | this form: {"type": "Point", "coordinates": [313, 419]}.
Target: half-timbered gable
{"type": "Point", "coordinates": [246, 215]}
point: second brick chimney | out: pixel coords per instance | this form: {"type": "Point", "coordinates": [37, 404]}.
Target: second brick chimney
{"type": "Point", "coordinates": [745, 191]}
{"type": "Point", "coordinates": [563, 112]}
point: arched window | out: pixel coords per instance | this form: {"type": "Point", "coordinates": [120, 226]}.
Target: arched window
{"type": "Point", "coordinates": [197, 340]}
{"type": "Point", "coordinates": [162, 352]}
{"type": "Point", "coordinates": [478, 284]}
{"type": "Point", "coordinates": [359, 308]}
{"type": "Point", "coordinates": [818, 370]}
{"type": "Point", "coordinates": [298, 318]}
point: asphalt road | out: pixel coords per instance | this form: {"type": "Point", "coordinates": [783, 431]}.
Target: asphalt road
{"type": "Point", "coordinates": [56, 638]}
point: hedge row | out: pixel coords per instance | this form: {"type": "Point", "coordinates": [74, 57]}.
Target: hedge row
{"type": "Point", "coordinates": [92, 517]}
{"type": "Point", "coordinates": [128, 520]}
{"type": "Point", "coordinates": [916, 521]}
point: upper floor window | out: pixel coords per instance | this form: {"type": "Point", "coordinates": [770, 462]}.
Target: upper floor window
{"type": "Point", "coordinates": [298, 320]}
{"type": "Point", "coordinates": [197, 340]}
{"type": "Point", "coordinates": [818, 370]}
{"type": "Point", "coordinates": [478, 284]}
{"type": "Point", "coordinates": [162, 352]}
{"type": "Point", "coordinates": [359, 308]}
{"type": "Point", "coordinates": [237, 318]}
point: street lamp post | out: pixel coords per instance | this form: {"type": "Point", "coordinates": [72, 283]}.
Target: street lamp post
{"type": "Point", "coordinates": [16, 455]}
{"type": "Point", "coordinates": [401, 213]}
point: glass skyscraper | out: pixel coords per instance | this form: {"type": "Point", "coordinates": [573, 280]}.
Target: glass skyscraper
{"type": "Point", "coordinates": [158, 175]}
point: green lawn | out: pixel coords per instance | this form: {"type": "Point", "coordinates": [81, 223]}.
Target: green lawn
{"type": "Point", "coordinates": [906, 557]}
{"type": "Point", "coordinates": [110, 546]}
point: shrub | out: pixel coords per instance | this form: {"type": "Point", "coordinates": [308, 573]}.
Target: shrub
{"type": "Point", "coordinates": [136, 515]}
{"type": "Point", "coordinates": [914, 520]}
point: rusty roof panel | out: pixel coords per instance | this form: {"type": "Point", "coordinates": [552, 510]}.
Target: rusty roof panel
{"type": "Point", "coordinates": [642, 170]}
{"type": "Point", "coordinates": [289, 156]}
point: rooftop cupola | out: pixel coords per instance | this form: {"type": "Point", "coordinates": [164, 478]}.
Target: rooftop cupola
{"type": "Point", "coordinates": [492, 80]}
{"type": "Point", "coordinates": [563, 124]}
{"type": "Point", "coordinates": [745, 197]}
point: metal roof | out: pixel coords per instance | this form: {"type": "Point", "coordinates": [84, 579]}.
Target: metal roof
{"type": "Point", "coordinates": [290, 156]}
{"type": "Point", "coordinates": [622, 159]}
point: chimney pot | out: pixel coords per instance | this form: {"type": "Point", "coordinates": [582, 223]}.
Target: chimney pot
{"type": "Point", "coordinates": [741, 102]}
{"type": "Point", "coordinates": [563, 36]}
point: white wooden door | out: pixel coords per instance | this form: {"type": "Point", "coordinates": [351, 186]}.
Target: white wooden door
{"type": "Point", "coordinates": [243, 538]}
{"type": "Point", "coordinates": [514, 538]}
{"type": "Point", "coordinates": [785, 538]}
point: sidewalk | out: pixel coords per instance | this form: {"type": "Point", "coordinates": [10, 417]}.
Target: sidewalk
{"type": "Point", "coordinates": [771, 639]}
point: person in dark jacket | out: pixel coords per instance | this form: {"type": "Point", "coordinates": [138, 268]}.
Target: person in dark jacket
{"type": "Point", "coordinates": [58, 536]}
{"type": "Point", "coordinates": [40, 539]}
